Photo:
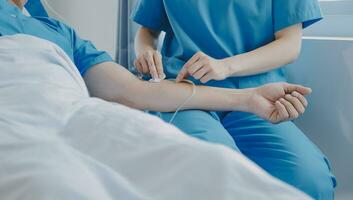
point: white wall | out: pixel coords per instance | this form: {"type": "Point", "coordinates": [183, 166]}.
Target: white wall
{"type": "Point", "coordinates": [95, 20]}
{"type": "Point", "coordinates": [326, 65]}
{"type": "Point", "coordinates": [338, 19]}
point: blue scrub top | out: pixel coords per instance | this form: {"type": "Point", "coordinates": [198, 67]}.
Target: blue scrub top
{"type": "Point", "coordinates": [221, 29]}
{"type": "Point", "coordinates": [82, 52]}
{"type": "Point", "coordinates": [36, 8]}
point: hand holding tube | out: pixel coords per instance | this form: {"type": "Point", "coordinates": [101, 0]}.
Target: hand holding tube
{"type": "Point", "coordinates": [204, 68]}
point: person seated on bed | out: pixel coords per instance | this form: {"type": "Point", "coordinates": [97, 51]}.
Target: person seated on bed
{"type": "Point", "coordinates": [109, 81]}
{"type": "Point", "coordinates": [276, 102]}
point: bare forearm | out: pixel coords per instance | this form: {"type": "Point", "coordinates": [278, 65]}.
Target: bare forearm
{"type": "Point", "coordinates": [264, 59]}
{"type": "Point", "coordinates": [285, 49]}
{"type": "Point", "coordinates": [114, 83]}
{"type": "Point", "coordinates": [171, 95]}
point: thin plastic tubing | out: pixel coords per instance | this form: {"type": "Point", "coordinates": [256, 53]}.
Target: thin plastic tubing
{"type": "Point", "coordinates": [185, 102]}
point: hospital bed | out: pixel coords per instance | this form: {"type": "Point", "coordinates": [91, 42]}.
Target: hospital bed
{"type": "Point", "coordinates": [326, 65]}
{"type": "Point", "coordinates": [62, 144]}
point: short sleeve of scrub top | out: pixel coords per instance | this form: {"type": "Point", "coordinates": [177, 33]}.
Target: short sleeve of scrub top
{"type": "Point", "coordinates": [151, 14]}
{"type": "Point", "coordinates": [82, 52]}
{"type": "Point", "coordinates": [36, 8]}
{"type": "Point", "coordinates": [290, 12]}
{"type": "Point", "coordinates": [222, 29]}
{"type": "Point", "coordinates": [85, 54]}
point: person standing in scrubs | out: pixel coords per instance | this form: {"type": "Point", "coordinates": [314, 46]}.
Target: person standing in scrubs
{"type": "Point", "coordinates": [236, 44]}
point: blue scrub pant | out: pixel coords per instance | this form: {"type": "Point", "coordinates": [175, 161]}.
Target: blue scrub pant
{"type": "Point", "coordinates": [282, 150]}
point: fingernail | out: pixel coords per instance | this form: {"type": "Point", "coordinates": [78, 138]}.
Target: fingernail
{"type": "Point", "coordinates": [162, 76]}
{"type": "Point", "coordinates": [155, 80]}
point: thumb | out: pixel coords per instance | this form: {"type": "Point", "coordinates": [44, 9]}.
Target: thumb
{"type": "Point", "coordinates": [289, 88]}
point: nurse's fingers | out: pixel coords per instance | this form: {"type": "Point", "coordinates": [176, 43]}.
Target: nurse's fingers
{"type": "Point", "coordinates": [183, 74]}
{"type": "Point", "coordinates": [201, 73]}
{"type": "Point", "coordinates": [296, 103]}
{"type": "Point", "coordinates": [196, 67]}
{"type": "Point", "coordinates": [206, 78]}
{"type": "Point", "coordinates": [151, 66]}
{"type": "Point", "coordinates": [138, 66]}
{"type": "Point", "coordinates": [144, 65]}
{"type": "Point", "coordinates": [192, 60]}
{"type": "Point", "coordinates": [293, 113]}
{"type": "Point", "coordinates": [301, 98]}
{"type": "Point", "coordinates": [289, 88]}
{"type": "Point", "coordinates": [283, 114]}
{"type": "Point", "coordinates": [159, 65]}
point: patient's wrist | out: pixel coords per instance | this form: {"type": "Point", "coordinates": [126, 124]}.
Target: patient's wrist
{"type": "Point", "coordinates": [241, 100]}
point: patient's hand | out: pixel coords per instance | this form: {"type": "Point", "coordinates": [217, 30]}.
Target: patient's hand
{"type": "Point", "coordinates": [279, 102]}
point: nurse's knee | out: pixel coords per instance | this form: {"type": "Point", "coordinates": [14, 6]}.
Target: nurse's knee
{"type": "Point", "coordinates": [202, 125]}
{"type": "Point", "coordinates": [217, 136]}
{"type": "Point", "coordinates": [315, 179]}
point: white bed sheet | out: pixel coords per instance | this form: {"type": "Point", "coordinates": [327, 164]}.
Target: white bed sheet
{"type": "Point", "coordinates": [58, 143]}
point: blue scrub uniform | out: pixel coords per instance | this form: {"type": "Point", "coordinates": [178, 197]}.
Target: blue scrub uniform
{"type": "Point", "coordinates": [36, 8]}
{"type": "Point", "coordinates": [82, 52]}
{"type": "Point", "coordinates": [225, 28]}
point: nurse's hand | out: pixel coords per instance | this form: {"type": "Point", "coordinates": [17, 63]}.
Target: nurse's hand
{"type": "Point", "coordinates": [150, 62]}
{"type": "Point", "coordinates": [204, 68]}
{"type": "Point", "coordinates": [279, 102]}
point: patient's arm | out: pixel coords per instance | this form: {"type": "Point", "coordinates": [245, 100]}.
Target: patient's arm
{"type": "Point", "coordinates": [112, 82]}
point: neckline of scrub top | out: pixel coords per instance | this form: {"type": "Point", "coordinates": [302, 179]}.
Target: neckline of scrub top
{"type": "Point", "coordinates": [13, 9]}
{"type": "Point", "coordinates": [36, 8]}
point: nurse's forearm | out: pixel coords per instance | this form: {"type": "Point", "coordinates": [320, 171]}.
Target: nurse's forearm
{"type": "Point", "coordinates": [145, 40]}
{"type": "Point", "coordinates": [112, 82]}
{"type": "Point", "coordinates": [285, 49]}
